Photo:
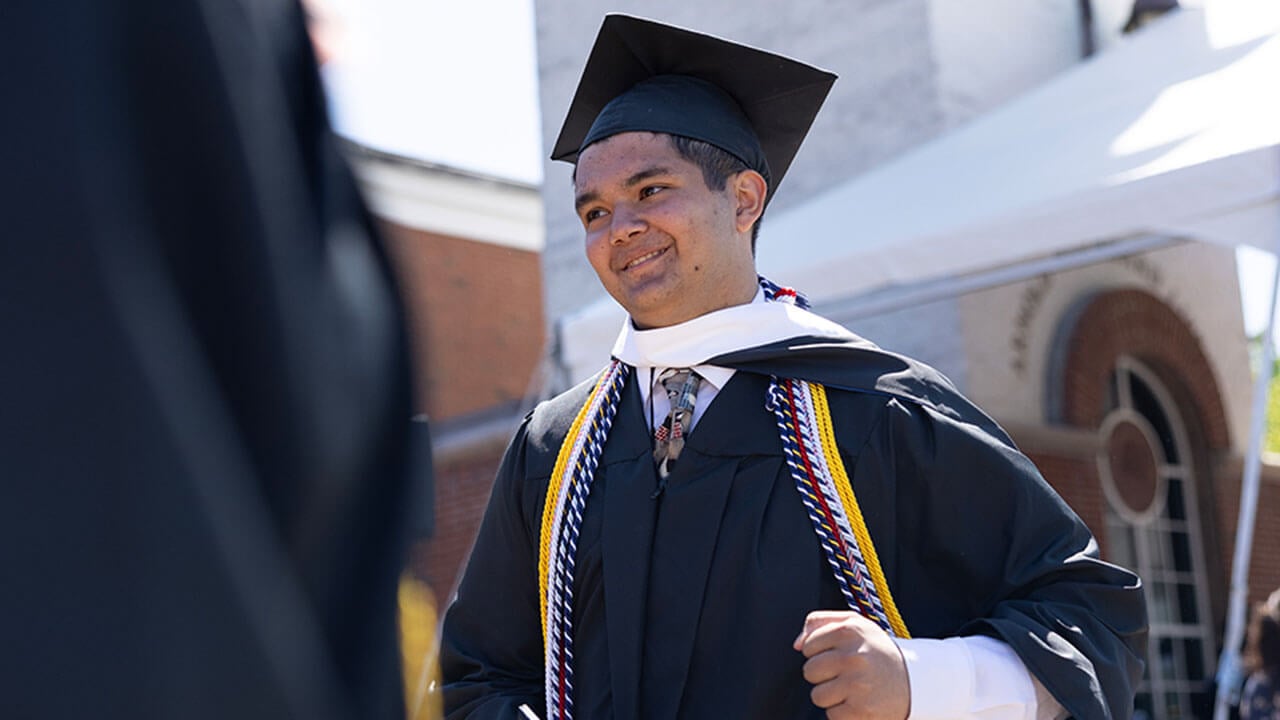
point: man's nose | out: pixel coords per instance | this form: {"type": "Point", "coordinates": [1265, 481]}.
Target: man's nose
{"type": "Point", "coordinates": [628, 222]}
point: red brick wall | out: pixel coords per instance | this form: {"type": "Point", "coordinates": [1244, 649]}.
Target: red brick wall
{"type": "Point", "coordinates": [475, 314]}
{"type": "Point", "coordinates": [477, 331]}
{"type": "Point", "coordinates": [1264, 563]}
{"type": "Point", "coordinates": [462, 491]}
{"type": "Point", "coordinates": [1134, 323]}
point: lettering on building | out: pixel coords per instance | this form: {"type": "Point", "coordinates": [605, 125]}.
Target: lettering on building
{"type": "Point", "coordinates": [1028, 307]}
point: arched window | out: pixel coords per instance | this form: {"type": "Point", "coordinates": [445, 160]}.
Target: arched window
{"type": "Point", "coordinates": [1153, 527]}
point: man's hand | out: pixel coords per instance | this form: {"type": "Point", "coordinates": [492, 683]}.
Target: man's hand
{"type": "Point", "coordinates": [856, 669]}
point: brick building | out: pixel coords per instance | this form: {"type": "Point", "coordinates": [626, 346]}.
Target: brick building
{"type": "Point", "coordinates": [1126, 386]}
{"type": "Point", "coordinates": [466, 249]}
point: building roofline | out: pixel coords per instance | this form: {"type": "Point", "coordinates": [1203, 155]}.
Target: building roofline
{"type": "Point", "coordinates": [356, 149]}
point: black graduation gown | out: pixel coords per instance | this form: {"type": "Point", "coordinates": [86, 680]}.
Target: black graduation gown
{"type": "Point", "coordinates": [686, 605]}
{"type": "Point", "coordinates": [204, 397]}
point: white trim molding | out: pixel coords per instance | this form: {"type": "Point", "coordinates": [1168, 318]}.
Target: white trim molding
{"type": "Point", "coordinates": [447, 201]}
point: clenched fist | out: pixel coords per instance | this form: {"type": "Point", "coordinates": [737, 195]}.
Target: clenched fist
{"type": "Point", "coordinates": [855, 667]}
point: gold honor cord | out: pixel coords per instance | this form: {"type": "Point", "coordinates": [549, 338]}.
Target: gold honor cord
{"type": "Point", "coordinates": [552, 502]}
{"type": "Point", "coordinates": [827, 435]}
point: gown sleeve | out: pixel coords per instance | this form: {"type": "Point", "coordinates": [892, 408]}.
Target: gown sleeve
{"type": "Point", "coordinates": [984, 546]}
{"type": "Point", "coordinates": [491, 652]}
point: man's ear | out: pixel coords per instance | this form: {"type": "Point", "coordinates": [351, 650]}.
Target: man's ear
{"type": "Point", "coordinates": [749, 192]}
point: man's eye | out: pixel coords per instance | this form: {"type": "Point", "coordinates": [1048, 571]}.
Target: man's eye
{"type": "Point", "coordinates": [592, 214]}
{"type": "Point", "coordinates": [648, 190]}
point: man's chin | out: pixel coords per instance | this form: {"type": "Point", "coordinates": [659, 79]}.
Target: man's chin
{"type": "Point", "coordinates": [651, 305]}
{"type": "Point", "coordinates": [655, 320]}
{"type": "Point", "coordinates": [647, 318]}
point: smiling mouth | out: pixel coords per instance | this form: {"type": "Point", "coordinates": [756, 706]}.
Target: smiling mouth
{"type": "Point", "coordinates": [643, 259]}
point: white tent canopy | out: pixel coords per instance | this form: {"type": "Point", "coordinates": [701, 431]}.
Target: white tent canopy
{"type": "Point", "coordinates": [1176, 132]}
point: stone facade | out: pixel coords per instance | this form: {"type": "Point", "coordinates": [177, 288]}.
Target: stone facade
{"type": "Point", "coordinates": [1011, 332]}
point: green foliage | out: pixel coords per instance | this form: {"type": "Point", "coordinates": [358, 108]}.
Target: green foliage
{"type": "Point", "coordinates": [1271, 442]}
{"type": "Point", "coordinates": [1271, 436]}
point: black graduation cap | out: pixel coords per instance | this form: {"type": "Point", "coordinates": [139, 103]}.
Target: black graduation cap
{"type": "Point", "coordinates": [644, 75]}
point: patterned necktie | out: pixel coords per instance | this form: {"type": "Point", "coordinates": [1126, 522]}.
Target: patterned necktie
{"type": "Point", "coordinates": [681, 385]}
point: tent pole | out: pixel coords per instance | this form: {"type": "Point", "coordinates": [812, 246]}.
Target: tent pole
{"type": "Point", "coordinates": [1229, 663]}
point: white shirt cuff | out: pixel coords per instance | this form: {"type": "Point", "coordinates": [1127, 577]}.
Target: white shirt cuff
{"type": "Point", "coordinates": [972, 677]}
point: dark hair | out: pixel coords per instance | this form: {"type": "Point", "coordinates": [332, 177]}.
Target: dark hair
{"type": "Point", "coordinates": [1263, 649]}
{"type": "Point", "coordinates": [717, 166]}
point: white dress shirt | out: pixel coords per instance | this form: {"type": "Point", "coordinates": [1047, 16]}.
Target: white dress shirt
{"type": "Point", "coordinates": [978, 677]}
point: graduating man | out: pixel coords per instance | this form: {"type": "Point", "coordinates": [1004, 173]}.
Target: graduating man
{"type": "Point", "coordinates": [751, 512]}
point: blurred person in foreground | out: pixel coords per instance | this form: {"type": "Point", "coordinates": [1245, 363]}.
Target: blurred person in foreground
{"type": "Point", "coordinates": [751, 512]}
{"type": "Point", "coordinates": [1260, 699]}
{"type": "Point", "coordinates": [204, 380]}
